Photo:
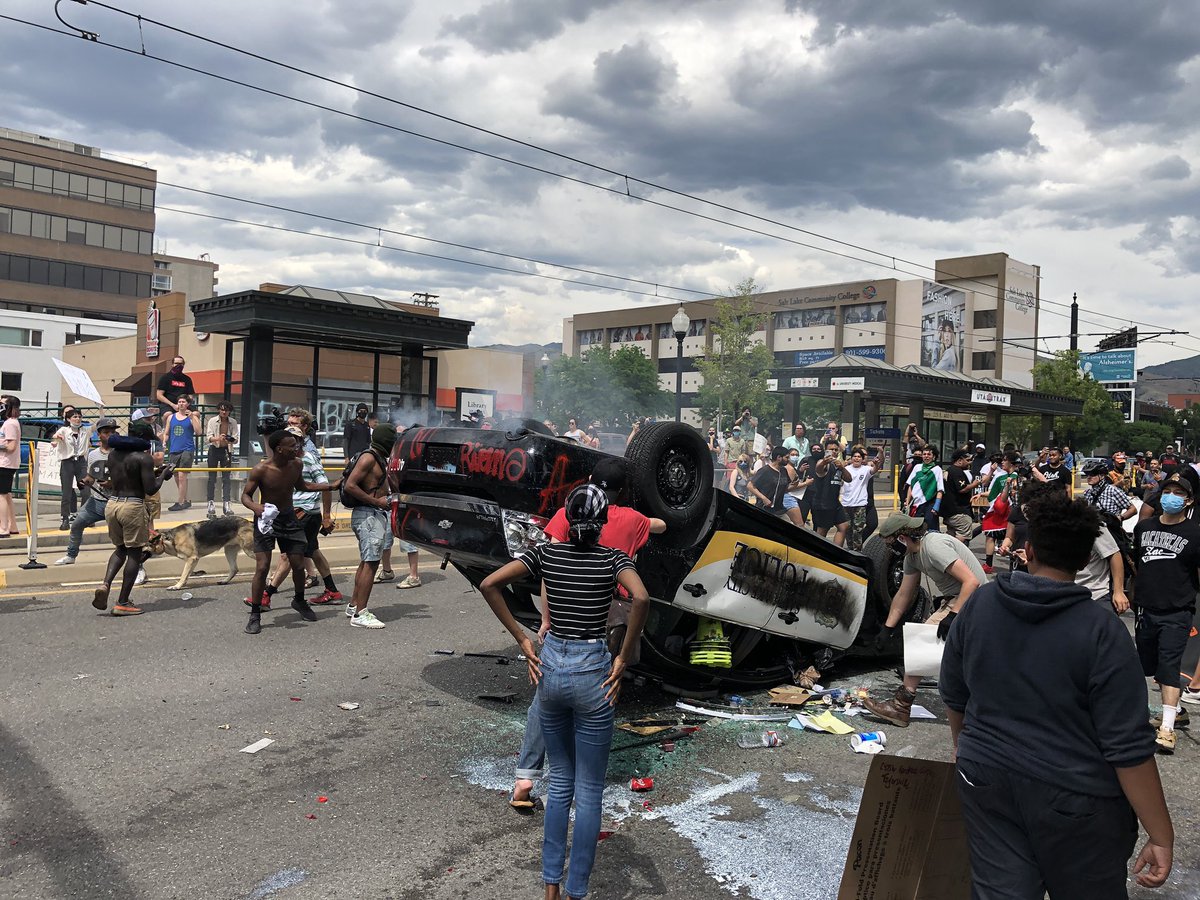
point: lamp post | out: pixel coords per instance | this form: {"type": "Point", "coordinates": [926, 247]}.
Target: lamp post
{"type": "Point", "coordinates": [545, 382]}
{"type": "Point", "coordinates": [1183, 441]}
{"type": "Point", "coordinates": [680, 323]}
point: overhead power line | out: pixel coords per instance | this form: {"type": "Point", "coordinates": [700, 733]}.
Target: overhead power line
{"type": "Point", "coordinates": [626, 178]}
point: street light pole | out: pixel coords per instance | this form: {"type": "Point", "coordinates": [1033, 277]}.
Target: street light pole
{"type": "Point", "coordinates": [545, 382]}
{"type": "Point", "coordinates": [680, 323]}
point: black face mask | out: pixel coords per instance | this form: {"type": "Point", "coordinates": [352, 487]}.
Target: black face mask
{"type": "Point", "coordinates": [743, 466]}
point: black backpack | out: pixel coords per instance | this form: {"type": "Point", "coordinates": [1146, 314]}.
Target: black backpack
{"type": "Point", "coordinates": [344, 498]}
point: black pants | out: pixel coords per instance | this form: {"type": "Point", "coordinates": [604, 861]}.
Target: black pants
{"type": "Point", "coordinates": [218, 457]}
{"type": "Point", "coordinates": [1028, 837]}
{"type": "Point", "coordinates": [71, 472]}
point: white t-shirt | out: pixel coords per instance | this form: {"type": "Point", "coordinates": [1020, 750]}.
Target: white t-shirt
{"type": "Point", "coordinates": [1095, 575]}
{"type": "Point", "coordinates": [854, 486]}
{"type": "Point", "coordinates": [73, 443]}
{"type": "Point", "coordinates": [575, 435]}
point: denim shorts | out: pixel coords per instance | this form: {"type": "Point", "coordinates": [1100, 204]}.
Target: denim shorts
{"type": "Point", "coordinates": [373, 528]}
{"type": "Point", "coordinates": [791, 501]}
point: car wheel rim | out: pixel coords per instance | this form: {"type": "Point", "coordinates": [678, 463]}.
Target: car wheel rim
{"type": "Point", "coordinates": [677, 478]}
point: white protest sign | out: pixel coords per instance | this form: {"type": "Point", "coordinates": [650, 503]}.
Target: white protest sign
{"type": "Point", "coordinates": [79, 381]}
{"type": "Point", "coordinates": [47, 464]}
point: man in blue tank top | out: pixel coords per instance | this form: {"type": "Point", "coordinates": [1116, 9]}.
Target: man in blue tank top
{"type": "Point", "coordinates": [180, 429]}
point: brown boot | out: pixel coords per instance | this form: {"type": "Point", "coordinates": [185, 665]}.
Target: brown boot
{"type": "Point", "coordinates": [897, 710]}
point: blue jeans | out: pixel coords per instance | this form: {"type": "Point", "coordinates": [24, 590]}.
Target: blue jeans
{"type": "Point", "coordinates": [578, 724]}
{"type": "Point", "coordinates": [531, 763]}
{"type": "Point", "coordinates": [91, 513]}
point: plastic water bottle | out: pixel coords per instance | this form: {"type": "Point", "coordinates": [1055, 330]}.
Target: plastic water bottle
{"type": "Point", "coordinates": [751, 740]}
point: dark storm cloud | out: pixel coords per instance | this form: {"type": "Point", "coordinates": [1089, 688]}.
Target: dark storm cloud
{"type": "Point", "coordinates": [888, 123]}
{"type": "Point", "coordinates": [1172, 168]}
{"type": "Point", "coordinates": [1114, 62]}
{"type": "Point", "coordinates": [634, 74]}
{"type": "Point", "coordinates": [508, 26]}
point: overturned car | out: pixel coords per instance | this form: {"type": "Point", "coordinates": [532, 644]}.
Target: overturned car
{"type": "Point", "coordinates": [739, 597]}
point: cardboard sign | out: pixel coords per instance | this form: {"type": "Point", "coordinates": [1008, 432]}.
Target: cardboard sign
{"type": "Point", "coordinates": [909, 842]}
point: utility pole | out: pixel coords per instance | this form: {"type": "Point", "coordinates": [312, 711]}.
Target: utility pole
{"type": "Point", "coordinates": [423, 298]}
{"type": "Point", "coordinates": [1074, 322]}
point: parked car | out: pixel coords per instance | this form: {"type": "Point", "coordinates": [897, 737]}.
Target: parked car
{"type": "Point", "coordinates": [786, 598]}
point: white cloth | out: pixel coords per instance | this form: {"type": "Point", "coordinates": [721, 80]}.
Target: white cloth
{"type": "Point", "coordinates": [266, 522]}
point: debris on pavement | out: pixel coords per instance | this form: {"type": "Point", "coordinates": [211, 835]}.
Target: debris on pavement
{"type": "Point", "coordinates": [322, 799]}
{"type": "Point", "coordinates": [676, 734]}
{"type": "Point", "coordinates": [296, 699]}
{"type": "Point", "coordinates": [257, 745]}
{"type": "Point", "coordinates": [641, 784]}
{"type": "Point", "coordinates": [736, 713]}
{"type": "Point", "coordinates": [224, 727]}
{"type": "Point", "coordinates": [310, 815]}
{"type": "Point", "coordinates": [752, 740]}
{"type": "Point", "coordinates": [443, 652]}
{"type": "Point", "coordinates": [788, 695]}
{"type": "Point", "coordinates": [647, 727]}
{"type": "Point", "coordinates": [824, 722]}
{"type": "Point", "coordinates": [502, 656]}
{"type": "Point", "coordinates": [868, 742]}
{"type": "Point", "coordinates": [349, 705]}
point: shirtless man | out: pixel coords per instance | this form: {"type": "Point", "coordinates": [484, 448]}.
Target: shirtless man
{"type": "Point", "coordinates": [370, 520]}
{"type": "Point", "coordinates": [131, 479]}
{"type": "Point", "coordinates": [275, 521]}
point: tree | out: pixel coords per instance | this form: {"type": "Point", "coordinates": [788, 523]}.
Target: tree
{"type": "Point", "coordinates": [1101, 419]}
{"type": "Point", "coordinates": [613, 387]}
{"type": "Point", "coordinates": [1137, 436]}
{"type": "Point", "coordinates": [735, 371]}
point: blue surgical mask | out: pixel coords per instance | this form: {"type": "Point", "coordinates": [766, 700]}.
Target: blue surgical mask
{"type": "Point", "coordinates": [794, 460]}
{"type": "Point", "coordinates": [743, 466]}
{"type": "Point", "coordinates": [1172, 504]}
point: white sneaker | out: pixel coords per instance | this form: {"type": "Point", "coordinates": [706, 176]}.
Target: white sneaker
{"type": "Point", "coordinates": [366, 619]}
{"type": "Point", "coordinates": [412, 581]}
{"type": "Point", "coordinates": [351, 610]}
{"type": "Point", "coordinates": [141, 577]}
{"type": "Point", "coordinates": [1188, 695]}
{"type": "Point", "coordinates": [70, 561]}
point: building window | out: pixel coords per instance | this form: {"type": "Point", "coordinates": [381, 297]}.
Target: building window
{"type": "Point", "coordinates": [985, 318]}
{"type": "Point", "coordinates": [10, 381]}
{"type": "Point", "coordinates": [985, 360]}
{"type": "Point", "coordinates": [90, 278]}
{"type": "Point", "coordinates": [74, 231]}
{"type": "Point", "coordinates": [66, 184]}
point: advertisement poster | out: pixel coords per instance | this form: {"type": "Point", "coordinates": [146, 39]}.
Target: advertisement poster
{"type": "Point", "coordinates": [806, 318]}
{"type": "Point", "coordinates": [1109, 366]}
{"type": "Point", "coordinates": [591, 337]}
{"type": "Point", "coordinates": [861, 313]}
{"type": "Point", "coordinates": [943, 315]}
{"type": "Point", "coordinates": [695, 329]}
{"type": "Point", "coordinates": [627, 333]}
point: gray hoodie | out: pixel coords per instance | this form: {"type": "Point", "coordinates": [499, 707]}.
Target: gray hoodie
{"type": "Point", "coordinates": [1049, 685]}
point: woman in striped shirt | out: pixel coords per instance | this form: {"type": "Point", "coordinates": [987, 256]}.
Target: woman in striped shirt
{"type": "Point", "coordinates": [578, 678]}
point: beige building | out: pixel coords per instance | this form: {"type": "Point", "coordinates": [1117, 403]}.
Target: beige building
{"type": "Point", "coordinates": [194, 278]}
{"type": "Point", "coordinates": [76, 229]}
{"type": "Point", "coordinates": [978, 318]}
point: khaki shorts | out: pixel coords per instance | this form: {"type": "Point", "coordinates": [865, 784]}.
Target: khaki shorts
{"type": "Point", "coordinates": [960, 525]}
{"type": "Point", "coordinates": [153, 507]}
{"type": "Point", "coordinates": [128, 523]}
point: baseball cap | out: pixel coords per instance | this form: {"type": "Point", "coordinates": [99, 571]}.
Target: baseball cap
{"type": "Point", "coordinates": [981, 446]}
{"type": "Point", "coordinates": [1176, 481]}
{"type": "Point", "coordinates": [897, 522]}
{"type": "Point", "coordinates": [106, 422]}
{"type": "Point", "coordinates": [609, 473]}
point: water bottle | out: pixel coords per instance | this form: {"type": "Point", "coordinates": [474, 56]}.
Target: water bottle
{"type": "Point", "coordinates": [752, 740]}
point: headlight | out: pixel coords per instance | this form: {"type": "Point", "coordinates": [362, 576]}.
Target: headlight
{"type": "Point", "coordinates": [523, 531]}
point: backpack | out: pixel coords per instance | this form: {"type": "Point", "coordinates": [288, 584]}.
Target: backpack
{"type": "Point", "coordinates": [345, 499]}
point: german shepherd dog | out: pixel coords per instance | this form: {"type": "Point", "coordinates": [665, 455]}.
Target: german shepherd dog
{"type": "Point", "coordinates": [190, 542]}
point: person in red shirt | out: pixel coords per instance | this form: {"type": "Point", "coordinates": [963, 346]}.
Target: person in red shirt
{"type": "Point", "coordinates": [626, 530]}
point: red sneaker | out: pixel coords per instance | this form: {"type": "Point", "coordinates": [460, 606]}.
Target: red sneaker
{"type": "Point", "coordinates": [986, 569]}
{"type": "Point", "coordinates": [328, 597]}
{"type": "Point", "coordinates": [266, 601]}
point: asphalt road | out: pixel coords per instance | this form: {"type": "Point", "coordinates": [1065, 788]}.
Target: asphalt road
{"type": "Point", "coordinates": [121, 776]}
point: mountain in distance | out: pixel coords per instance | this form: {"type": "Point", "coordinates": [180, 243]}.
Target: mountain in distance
{"type": "Point", "coordinates": [1179, 376]}
{"type": "Point", "coordinates": [552, 349]}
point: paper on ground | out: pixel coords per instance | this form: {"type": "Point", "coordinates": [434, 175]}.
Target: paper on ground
{"type": "Point", "coordinates": [257, 745]}
{"type": "Point", "coordinates": [869, 747]}
{"type": "Point", "coordinates": [920, 712]}
{"type": "Point", "coordinates": [825, 722]}
{"type": "Point", "coordinates": [922, 651]}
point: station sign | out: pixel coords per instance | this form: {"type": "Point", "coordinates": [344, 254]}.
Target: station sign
{"type": "Point", "coordinates": [804, 382]}
{"type": "Point", "coordinates": [990, 398]}
{"type": "Point", "coordinates": [847, 384]}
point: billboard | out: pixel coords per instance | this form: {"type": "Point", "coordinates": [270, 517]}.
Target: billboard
{"type": "Point", "coordinates": [806, 318]}
{"type": "Point", "coordinates": [943, 311]}
{"type": "Point", "coordinates": [591, 337]}
{"type": "Point", "coordinates": [1109, 366]}
{"type": "Point", "coordinates": [1123, 399]}
{"type": "Point", "coordinates": [626, 333]}
{"type": "Point", "coordinates": [1020, 318]}
{"type": "Point", "coordinates": [696, 328]}
{"type": "Point", "coordinates": [868, 352]}
{"type": "Point", "coordinates": [862, 313]}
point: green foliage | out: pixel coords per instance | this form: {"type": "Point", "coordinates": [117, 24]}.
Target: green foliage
{"type": "Point", "coordinates": [1137, 436]}
{"type": "Point", "coordinates": [1020, 431]}
{"type": "Point", "coordinates": [736, 372]}
{"type": "Point", "coordinates": [1101, 420]}
{"type": "Point", "coordinates": [817, 412]}
{"type": "Point", "coordinates": [613, 387]}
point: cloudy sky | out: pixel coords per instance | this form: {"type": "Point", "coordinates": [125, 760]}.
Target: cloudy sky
{"type": "Point", "coordinates": [1063, 133]}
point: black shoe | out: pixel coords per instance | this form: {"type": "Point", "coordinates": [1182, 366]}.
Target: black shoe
{"type": "Point", "coordinates": [175, 507]}
{"type": "Point", "coordinates": [64, 525]}
{"type": "Point", "coordinates": [187, 505]}
{"type": "Point", "coordinates": [254, 626]}
{"type": "Point", "coordinates": [306, 613]}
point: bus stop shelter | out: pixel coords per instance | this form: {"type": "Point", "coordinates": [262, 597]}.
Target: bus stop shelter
{"type": "Point", "coordinates": [885, 398]}
{"type": "Point", "coordinates": [327, 351]}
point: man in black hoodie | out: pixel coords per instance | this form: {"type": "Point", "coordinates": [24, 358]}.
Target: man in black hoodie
{"type": "Point", "coordinates": [1048, 715]}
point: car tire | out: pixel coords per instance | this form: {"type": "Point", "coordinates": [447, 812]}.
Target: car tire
{"type": "Point", "coordinates": [670, 478]}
